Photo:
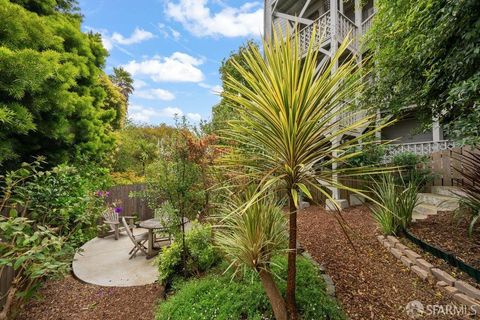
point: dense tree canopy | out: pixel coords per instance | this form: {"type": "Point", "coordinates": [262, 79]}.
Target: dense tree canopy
{"type": "Point", "coordinates": [55, 100]}
{"type": "Point", "coordinates": [225, 110]}
{"type": "Point", "coordinates": [427, 53]}
{"type": "Point", "coordinates": [138, 146]}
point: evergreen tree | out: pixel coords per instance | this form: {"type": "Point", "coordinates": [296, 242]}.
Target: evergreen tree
{"type": "Point", "coordinates": [53, 101]}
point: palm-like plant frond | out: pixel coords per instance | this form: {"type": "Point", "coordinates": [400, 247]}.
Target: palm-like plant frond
{"type": "Point", "coordinates": [253, 236]}
{"type": "Point", "coordinates": [290, 113]}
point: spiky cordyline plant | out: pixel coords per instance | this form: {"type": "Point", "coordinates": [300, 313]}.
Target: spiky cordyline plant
{"type": "Point", "coordinates": [394, 203]}
{"type": "Point", "coordinates": [251, 237]}
{"type": "Point", "coordinates": [289, 114]}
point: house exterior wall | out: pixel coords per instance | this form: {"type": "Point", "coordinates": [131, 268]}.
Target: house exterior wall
{"type": "Point", "coordinates": [406, 131]}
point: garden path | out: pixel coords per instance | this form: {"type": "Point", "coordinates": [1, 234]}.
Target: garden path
{"type": "Point", "coordinates": [370, 282]}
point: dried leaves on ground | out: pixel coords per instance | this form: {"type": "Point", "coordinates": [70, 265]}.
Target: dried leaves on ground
{"type": "Point", "coordinates": [70, 299]}
{"type": "Point", "coordinates": [370, 282]}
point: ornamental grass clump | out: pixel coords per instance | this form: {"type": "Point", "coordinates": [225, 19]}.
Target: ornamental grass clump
{"type": "Point", "coordinates": [394, 203]}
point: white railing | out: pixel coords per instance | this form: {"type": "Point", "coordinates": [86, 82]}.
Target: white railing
{"type": "Point", "coordinates": [347, 29]}
{"type": "Point", "coordinates": [418, 148]}
{"type": "Point", "coordinates": [321, 26]}
{"type": "Point", "coordinates": [367, 24]}
{"type": "Point", "coordinates": [350, 118]}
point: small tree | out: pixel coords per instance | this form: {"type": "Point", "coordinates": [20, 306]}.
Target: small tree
{"type": "Point", "coordinates": [250, 238]}
{"type": "Point", "coordinates": [178, 182]}
{"type": "Point", "coordinates": [289, 119]}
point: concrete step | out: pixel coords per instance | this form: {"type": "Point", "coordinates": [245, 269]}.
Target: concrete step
{"type": "Point", "coordinates": [425, 209]}
{"type": "Point", "coordinates": [448, 191]}
{"type": "Point", "coordinates": [418, 216]}
{"type": "Point", "coordinates": [440, 201]}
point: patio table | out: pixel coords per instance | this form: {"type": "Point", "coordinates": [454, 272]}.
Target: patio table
{"type": "Point", "coordinates": [151, 225]}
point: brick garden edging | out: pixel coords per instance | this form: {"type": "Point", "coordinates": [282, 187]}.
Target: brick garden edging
{"type": "Point", "coordinates": [330, 286]}
{"type": "Point", "coordinates": [459, 290]}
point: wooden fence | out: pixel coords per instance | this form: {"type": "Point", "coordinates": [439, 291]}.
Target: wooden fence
{"type": "Point", "coordinates": [446, 166]}
{"type": "Point", "coordinates": [120, 195]}
{"type": "Point", "coordinates": [6, 277]}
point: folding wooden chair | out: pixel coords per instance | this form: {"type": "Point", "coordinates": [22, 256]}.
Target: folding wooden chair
{"type": "Point", "coordinates": [137, 240]}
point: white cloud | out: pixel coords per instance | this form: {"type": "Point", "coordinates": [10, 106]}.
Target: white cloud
{"type": "Point", "coordinates": [142, 114]}
{"type": "Point", "coordinates": [116, 39]}
{"type": "Point", "coordinates": [175, 33]}
{"type": "Point", "coordinates": [138, 35]}
{"type": "Point", "coordinates": [155, 94]}
{"type": "Point", "coordinates": [138, 84]}
{"type": "Point", "coordinates": [195, 117]}
{"type": "Point", "coordinates": [168, 31]}
{"type": "Point", "coordinates": [197, 18]}
{"type": "Point", "coordinates": [179, 67]}
{"type": "Point", "coordinates": [217, 89]}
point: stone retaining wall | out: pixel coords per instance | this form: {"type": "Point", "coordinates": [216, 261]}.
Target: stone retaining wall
{"type": "Point", "coordinates": [459, 290]}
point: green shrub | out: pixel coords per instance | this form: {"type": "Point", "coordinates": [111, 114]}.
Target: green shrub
{"type": "Point", "coordinates": [32, 242]}
{"type": "Point", "coordinates": [224, 296]}
{"type": "Point", "coordinates": [201, 255]}
{"type": "Point", "coordinates": [63, 198]}
{"type": "Point", "coordinates": [169, 261]}
{"type": "Point", "coordinates": [414, 168]}
{"type": "Point", "coordinates": [395, 203]}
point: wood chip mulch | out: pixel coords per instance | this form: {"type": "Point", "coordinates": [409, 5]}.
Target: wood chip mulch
{"type": "Point", "coordinates": [451, 235]}
{"type": "Point", "coordinates": [370, 282]}
{"type": "Point", "coordinates": [70, 299]}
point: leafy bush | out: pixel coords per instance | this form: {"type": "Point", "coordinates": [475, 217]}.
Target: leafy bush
{"type": "Point", "coordinates": [34, 252]}
{"type": "Point", "coordinates": [470, 199]}
{"type": "Point", "coordinates": [201, 255]}
{"type": "Point", "coordinates": [126, 178]}
{"type": "Point", "coordinates": [414, 168]}
{"type": "Point", "coordinates": [63, 198]}
{"type": "Point", "coordinates": [373, 155]}
{"type": "Point", "coordinates": [224, 296]}
{"type": "Point", "coordinates": [395, 203]}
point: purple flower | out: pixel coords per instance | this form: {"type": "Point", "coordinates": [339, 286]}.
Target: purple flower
{"type": "Point", "coordinates": [118, 209]}
{"type": "Point", "coordinates": [99, 193]}
{"type": "Point", "coordinates": [107, 193]}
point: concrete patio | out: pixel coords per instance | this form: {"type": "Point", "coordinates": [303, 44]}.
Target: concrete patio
{"type": "Point", "coordinates": [105, 262]}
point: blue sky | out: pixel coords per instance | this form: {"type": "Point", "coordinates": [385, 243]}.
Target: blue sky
{"type": "Point", "coordinates": [173, 49]}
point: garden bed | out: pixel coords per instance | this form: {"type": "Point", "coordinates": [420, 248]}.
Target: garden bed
{"type": "Point", "coordinates": [370, 282]}
{"type": "Point", "coordinates": [451, 235]}
{"type": "Point", "coordinates": [219, 295]}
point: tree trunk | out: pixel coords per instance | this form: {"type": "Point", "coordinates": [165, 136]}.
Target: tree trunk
{"type": "Point", "coordinates": [274, 295]}
{"type": "Point", "coordinates": [292, 262]}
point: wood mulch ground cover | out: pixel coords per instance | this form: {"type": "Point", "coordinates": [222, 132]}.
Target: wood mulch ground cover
{"type": "Point", "coordinates": [451, 235]}
{"type": "Point", "coordinates": [70, 299]}
{"type": "Point", "coordinates": [370, 282]}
